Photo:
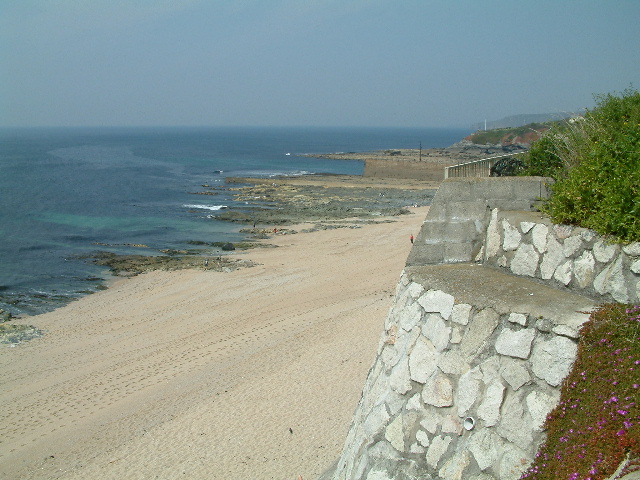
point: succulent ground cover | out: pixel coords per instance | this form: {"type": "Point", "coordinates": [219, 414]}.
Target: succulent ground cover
{"type": "Point", "coordinates": [595, 429]}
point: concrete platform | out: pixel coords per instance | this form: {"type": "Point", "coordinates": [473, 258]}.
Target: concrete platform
{"type": "Point", "coordinates": [485, 287]}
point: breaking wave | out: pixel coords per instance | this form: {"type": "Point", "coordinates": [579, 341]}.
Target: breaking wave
{"type": "Point", "coordinates": [206, 207]}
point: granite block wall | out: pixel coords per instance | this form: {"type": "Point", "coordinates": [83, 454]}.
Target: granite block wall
{"type": "Point", "coordinates": [529, 244]}
{"type": "Point", "coordinates": [461, 384]}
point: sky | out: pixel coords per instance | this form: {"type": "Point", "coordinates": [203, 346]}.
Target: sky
{"type": "Point", "coordinates": [400, 63]}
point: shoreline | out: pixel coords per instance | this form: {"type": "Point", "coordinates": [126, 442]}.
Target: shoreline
{"type": "Point", "coordinates": [24, 304]}
{"type": "Point", "coordinates": [317, 197]}
{"type": "Point", "coordinates": [210, 374]}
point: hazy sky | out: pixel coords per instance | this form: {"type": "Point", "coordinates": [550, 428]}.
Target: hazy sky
{"type": "Point", "coordinates": [309, 62]}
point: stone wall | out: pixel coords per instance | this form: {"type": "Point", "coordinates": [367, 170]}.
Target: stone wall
{"type": "Point", "coordinates": [529, 244]}
{"type": "Point", "coordinates": [482, 332]}
{"type": "Point", "coordinates": [464, 378]}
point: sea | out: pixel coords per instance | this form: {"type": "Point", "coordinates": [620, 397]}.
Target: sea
{"type": "Point", "coordinates": [66, 193]}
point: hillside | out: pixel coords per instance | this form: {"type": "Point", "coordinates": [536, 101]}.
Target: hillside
{"type": "Point", "coordinates": [523, 119]}
{"type": "Point", "coordinates": [524, 135]}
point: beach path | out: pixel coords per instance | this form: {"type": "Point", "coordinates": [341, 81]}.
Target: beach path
{"type": "Point", "coordinates": [253, 373]}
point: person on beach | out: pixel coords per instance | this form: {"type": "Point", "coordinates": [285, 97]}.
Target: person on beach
{"type": "Point", "coordinates": [411, 238]}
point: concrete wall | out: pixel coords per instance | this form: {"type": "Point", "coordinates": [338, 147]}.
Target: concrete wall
{"type": "Point", "coordinates": [389, 168]}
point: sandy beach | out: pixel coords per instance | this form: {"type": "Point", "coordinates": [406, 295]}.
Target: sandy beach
{"type": "Point", "coordinates": [250, 374]}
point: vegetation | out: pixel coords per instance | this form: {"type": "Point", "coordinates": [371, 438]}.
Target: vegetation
{"type": "Point", "coordinates": [506, 135]}
{"type": "Point", "coordinates": [595, 160]}
{"type": "Point", "coordinates": [596, 426]}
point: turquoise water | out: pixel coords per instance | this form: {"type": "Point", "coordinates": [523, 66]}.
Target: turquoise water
{"type": "Point", "coordinates": [70, 192]}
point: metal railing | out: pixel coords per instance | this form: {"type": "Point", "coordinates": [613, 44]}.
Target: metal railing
{"type": "Point", "coordinates": [477, 168]}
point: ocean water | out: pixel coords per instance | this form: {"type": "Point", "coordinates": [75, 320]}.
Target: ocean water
{"type": "Point", "coordinates": [65, 193]}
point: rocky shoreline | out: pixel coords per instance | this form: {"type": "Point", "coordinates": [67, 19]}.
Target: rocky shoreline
{"type": "Point", "coordinates": [14, 333]}
{"type": "Point", "coordinates": [327, 201]}
{"type": "Point", "coordinates": [286, 201]}
{"type": "Point", "coordinates": [289, 200]}
{"type": "Point", "coordinates": [269, 206]}
{"type": "Point", "coordinates": [264, 204]}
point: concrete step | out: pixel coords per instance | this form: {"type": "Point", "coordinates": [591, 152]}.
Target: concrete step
{"type": "Point", "coordinates": [453, 241]}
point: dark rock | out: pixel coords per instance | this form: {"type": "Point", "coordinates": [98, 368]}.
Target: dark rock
{"type": "Point", "coordinates": [227, 247]}
{"type": "Point", "coordinates": [5, 316]}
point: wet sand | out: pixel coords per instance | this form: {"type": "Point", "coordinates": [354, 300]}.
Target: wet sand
{"type": "Point", "coordinates": [250, 374]}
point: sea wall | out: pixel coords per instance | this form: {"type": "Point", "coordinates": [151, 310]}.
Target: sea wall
{"type": "Point", "coordinates": [482, 332]}
{"type": "Point", "coordinates": [464, 377]}
{"type": "Point", "coordinates": [432, 170]}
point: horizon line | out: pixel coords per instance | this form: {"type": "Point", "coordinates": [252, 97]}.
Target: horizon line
{"type": "Point", "coordinates": [462, 127]}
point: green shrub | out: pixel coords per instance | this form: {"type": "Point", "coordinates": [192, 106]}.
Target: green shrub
{"type": "Point", "coordinates": [596, 426]}
{"type": "Point", "coordinates": [543, 159]}
{"type": "Point", "coordinates": [596, 164]}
